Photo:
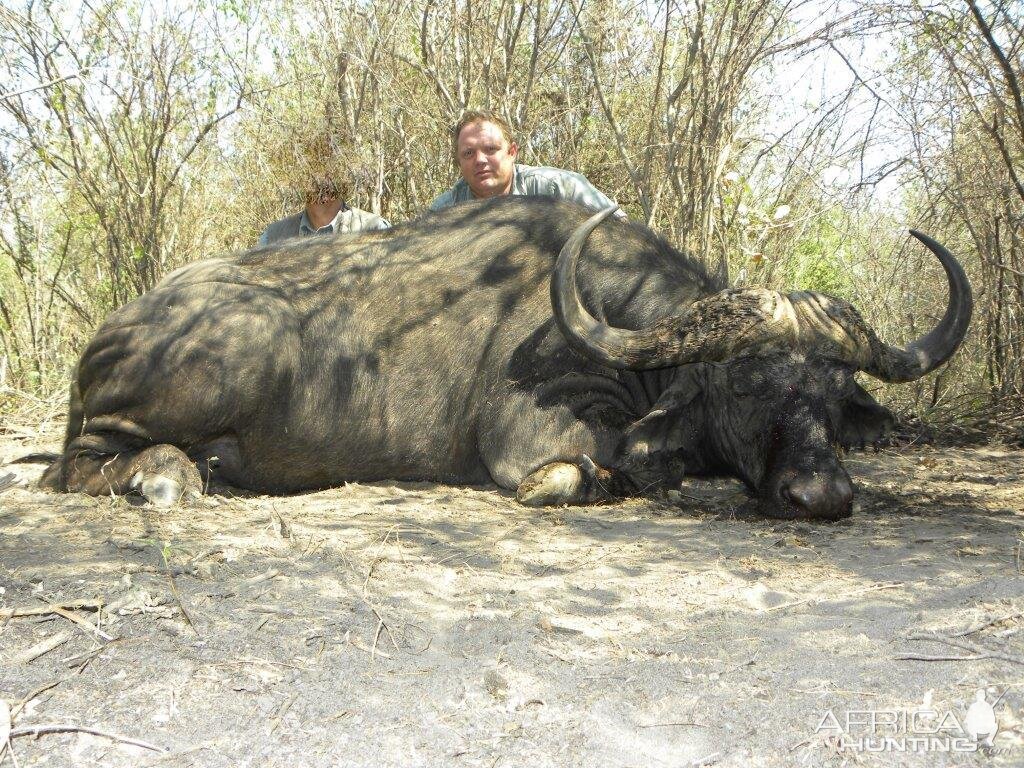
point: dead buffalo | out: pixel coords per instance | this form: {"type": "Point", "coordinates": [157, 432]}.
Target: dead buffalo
{"type": "Point", "coordinates": [513, 341]}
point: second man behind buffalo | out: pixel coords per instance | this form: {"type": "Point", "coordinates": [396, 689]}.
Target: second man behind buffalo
{"type": "Point", "coordinates": [325, 213]}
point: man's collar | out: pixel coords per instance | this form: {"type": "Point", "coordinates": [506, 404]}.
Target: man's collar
{"type": "Point", "coordinates": [516, 187]}
{"type": "Point", "coordinates": [306, 228]}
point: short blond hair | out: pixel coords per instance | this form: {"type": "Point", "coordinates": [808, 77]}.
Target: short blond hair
{"type": "Point", "coordinates": [473, 116]}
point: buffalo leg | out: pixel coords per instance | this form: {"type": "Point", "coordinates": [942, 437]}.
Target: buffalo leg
{"type": "Point", "coordinates": [162, 474]}
{"type": "Point", "coordinates": [561, 453]}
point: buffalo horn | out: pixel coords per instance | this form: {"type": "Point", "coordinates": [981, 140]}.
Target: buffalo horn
{"type": "Point", "coordinates": [937, 346]}
{"type": "Point", "coordinates": [716, 327]}
{"type": "Point", "coordinates": [724, 324]}
{"type": "Point", "coordinates": [614, 347]}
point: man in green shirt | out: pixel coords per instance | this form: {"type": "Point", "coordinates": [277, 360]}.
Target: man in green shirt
{"type": "Point", "coordinates": [485, 153]}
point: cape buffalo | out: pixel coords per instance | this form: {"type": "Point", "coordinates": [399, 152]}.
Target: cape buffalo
{"type": "Point", "coordinates": [518, 341]}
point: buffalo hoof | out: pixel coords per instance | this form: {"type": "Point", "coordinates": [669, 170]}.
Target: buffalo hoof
{"type": "Point", "coordinates": [165, 476]}
{"type": "Point", "coordinates": [556, 483]}
{"type": "Point", "coordinates": [163, 491]}
{"type": "Point", "coordinates": [560, 482]}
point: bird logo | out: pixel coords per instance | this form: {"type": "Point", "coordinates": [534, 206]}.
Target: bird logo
{"type": "Point", "coordinates": [980, 722]}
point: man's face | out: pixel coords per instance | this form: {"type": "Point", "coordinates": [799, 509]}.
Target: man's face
{"type": "Point", "coordinates": [486, 159]}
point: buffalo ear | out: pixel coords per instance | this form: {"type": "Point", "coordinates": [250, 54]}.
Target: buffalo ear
{"type": "Point", "coordinates": [863, 421]}
{"type": "Point", "coordinates": [664, 428]}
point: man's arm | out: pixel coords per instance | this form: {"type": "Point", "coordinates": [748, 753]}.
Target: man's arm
{"type": "Point", "coordinates": [445, 200]}
{"type": "Point", "coordinates": [577, 188]}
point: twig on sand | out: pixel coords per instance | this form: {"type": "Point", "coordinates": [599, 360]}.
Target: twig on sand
{"type": "Point", "coordinates": [80, 662]}
{"type": "Point", "coordinates": [843, 596]}
{"type": "Point", "coordinates": [355, 643]}
{"type": "Point", "coordinates": [8, 714]}
{"type": "Point", "coordinates": [923, 657]}
{"type": "Point", "coordinates": [978, 651]}
{"type": "Point", "coordinates": [376, 637]}
{"type": "Point", "coordinates": [692, 497]}
{"type": "Point", "coordinates": [381, 624]}
{"type": "Point", "coordinates": [986, 623]}
{"type": "Point", "coordinates": [177, 595]}
{"type": "Point", "coordinates": [380, 558]}
{"type": "Point", "coordinates": [39, 730]}
{"type": "Point", "coordinates": [88, 626]}
{"type": "Point", "coordinates": [46, 610]}
{"type": "Point", "coordinates": [42, 648]}
{"type": "Point", "coordinates": [267, 575]}
{"type": "Point", "coordinates": [276, 610]}
{"type": "Point", "coordinates": [5, 731]}
{"type": "Point", "coordinates": [276, 721]}
{"type": "Point", "coordinates": [711, 759]}
{"type": "Point", "coordinates": [265, 662]}
{"type": "Point", "coordinates": [21, 704]}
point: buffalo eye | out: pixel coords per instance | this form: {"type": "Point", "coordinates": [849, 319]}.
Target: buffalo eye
{"type": "Point", "coordinates": [748, 381]}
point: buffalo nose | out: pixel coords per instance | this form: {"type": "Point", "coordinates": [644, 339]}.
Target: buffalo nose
{"type": "Point", "coordinates": [819, 498]}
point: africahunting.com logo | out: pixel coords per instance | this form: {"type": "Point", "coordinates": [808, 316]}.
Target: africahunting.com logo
{"type": "Point", "coordinates": [922, 729]}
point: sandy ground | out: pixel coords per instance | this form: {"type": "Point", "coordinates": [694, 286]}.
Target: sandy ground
{"type": "Point", "coordinates": [420, 625]}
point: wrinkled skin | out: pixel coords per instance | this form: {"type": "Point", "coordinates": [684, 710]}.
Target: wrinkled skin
{"type": "Point", "coordinates": [778, 423]}
{"type": "Point", "coordinates": [430, 352]}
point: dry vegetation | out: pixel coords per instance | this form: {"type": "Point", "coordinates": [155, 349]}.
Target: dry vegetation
{"type": "Point", "coordinates": [792, 141]}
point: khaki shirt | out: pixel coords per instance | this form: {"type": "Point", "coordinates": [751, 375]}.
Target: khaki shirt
{"type": "Point", "coordinates": [347, 220]}
{"type": "Point", "coordinates": [537, 180]}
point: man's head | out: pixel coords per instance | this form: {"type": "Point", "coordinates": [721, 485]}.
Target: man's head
{"type": "Point", "coordinates": [485, 152]}
{"type": "Point", "coordinates": [323, 167]}
{"type": "Point", "coordinates": [323, 190]}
